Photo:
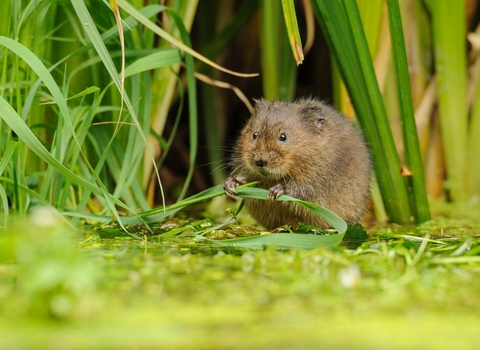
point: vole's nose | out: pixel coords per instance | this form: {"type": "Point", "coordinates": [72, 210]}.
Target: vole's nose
{"type": "Point", "coordinates": [261, 163]}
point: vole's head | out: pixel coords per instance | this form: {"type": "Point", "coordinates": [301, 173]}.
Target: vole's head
{"type": "Point", "coordinates": [281, 138]}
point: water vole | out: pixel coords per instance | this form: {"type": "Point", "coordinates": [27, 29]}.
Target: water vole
{"type": "Point", "coordinates": [307, 150]}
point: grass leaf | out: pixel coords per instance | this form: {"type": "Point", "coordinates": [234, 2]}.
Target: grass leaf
{"type": "Point", "coordinates": [162, 58]}
{"type": "Point", "coordinates": [292, 30]}
{"type": "Point", "coordinates": [282, 241]}
{"type": "Point", "coordinates": [7, 155]}
{"type": "Point", "coordinates": [448, 19]}
{"type": "Point", "coordinates": [329, 216]}
{"type": "Point", "coordinates": [413, 158]}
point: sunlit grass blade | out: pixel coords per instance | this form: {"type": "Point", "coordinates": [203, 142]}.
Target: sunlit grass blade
{"type": "Point", "coordinates": [282, 241]}
{"type": "Point", "coordinates": [344, 33]}
{"type": "Point", "coordinates": [448, 20]}
{"type": "Point", "coordinates": [162, 58]}
{"type": "Point", "coordinates": [278, 66]}
{"type": "Point", "coordinates": [329, 216]}
{"type": "Point", "coordinates": [4, 161]}
{"type": "Point", "coordinates": [474, 145]}
{"type": "Point", "coordinates": [413, 159]}
{"type": "Point", "coordinates": [269, 12]}
{"type": "Point", "coordinates": [289, 240]}
{"type": "Point", "coordinates": [118, 20]}
{"type": "Point", "coordinates": [292, 30]}
{"type": "Point", "coordinates": [371, 14]}
{"type": "Point", "coordinates": [7, 155]}
{"type": "Point", "coordinates": [4, 205]}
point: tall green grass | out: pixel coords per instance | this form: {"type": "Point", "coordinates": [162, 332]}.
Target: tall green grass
{"type": "Point", "coordinates": [76, 144]}
{"type": "Point", "coordinates": [352, 56]}
{"type": "Point", "coordinates": [446, 20]}
{"type": "Point", "coordinates": [413, 161]}
{"type": "Point", "coordinates": [449, 23]}
{"type": "Point", "coordinates": [77, 137]}
{"type": "Point", "coordinates": [278, 64]}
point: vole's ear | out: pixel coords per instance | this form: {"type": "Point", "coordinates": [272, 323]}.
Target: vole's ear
{"type": "Point", "coordinates": [313, 112]}
{"type": "Point", "coordinates": [319, 121]}
{"type": "Point", "coordinates": [260, 105]}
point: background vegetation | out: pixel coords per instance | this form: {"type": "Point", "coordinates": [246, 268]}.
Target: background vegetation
{"type": "Point", "coordinates": [71, 141]}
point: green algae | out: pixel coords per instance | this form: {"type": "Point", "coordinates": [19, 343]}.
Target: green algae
{"type": "Point", "coordinates": [403, 287]}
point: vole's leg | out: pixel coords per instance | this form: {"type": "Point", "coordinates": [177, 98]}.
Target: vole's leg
{"type": "Point", "coordinates": [230, 186]}
{"type": "Point", "coordinates": [276, 191]}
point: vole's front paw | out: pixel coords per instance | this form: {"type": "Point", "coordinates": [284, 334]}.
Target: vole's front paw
{"type": "Point", "coordinates": [230, 186]}
{"type": "Point", "coordinates": [275, 192]}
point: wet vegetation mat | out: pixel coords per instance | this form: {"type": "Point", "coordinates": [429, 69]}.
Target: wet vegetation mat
{"type": "Point", "coordinates": [398, 287]}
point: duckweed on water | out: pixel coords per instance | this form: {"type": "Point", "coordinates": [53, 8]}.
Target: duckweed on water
{"type": "Point", "coordinates": [401, 288]}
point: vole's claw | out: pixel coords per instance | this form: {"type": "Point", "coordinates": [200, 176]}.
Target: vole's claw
{"type": "Point", "coordinates": [230, 186]}
{"type": "Point", "coordinates": [275, 192]}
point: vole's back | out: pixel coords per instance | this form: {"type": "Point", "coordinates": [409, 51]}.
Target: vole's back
{"type": "Point", "coordinates": [311, 150]}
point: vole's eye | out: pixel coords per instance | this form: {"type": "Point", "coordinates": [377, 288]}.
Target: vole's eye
{"type": "Point", "coordinates": [255, 135]}
{"type": "Point", "coordinates": [282, 137]}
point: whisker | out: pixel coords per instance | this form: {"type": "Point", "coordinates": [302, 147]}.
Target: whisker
{"type": "Point", "coordinates": [217, 148]}
{"type": "Point", "coordinates": [218, 168]}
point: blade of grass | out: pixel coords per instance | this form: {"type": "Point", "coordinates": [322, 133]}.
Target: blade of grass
{"type": "Point", "coordinates": [448, 19]}
{"type": "Point", "coordinates": [342, 27]}
{"type": "Point", "coordinates": [329, 216]}
{"type": "Point", "coordinates": [282, 241]}
{"type": "Point", "coordinates": [288, 7]}
{"type": "Point", "coordinates": [278, 66]}
{"type": "Point", "coordinates": [4, 201]}
{"type": "Point", "coordinates": [371, 14]}
{"type": "Point", "coordinates": [269, 41]}
{"type": "Point", "coordinates": [7, 155]}
{"type": "Point", "coordinates": [162, 58]}
{"type": "Point", "coordinates": [413, 159]}
{"type": "Point", "coordinates": [474, 144]}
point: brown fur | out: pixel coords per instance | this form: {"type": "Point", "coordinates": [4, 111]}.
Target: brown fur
{"type": "Point", "coordinates": [323, 160]}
